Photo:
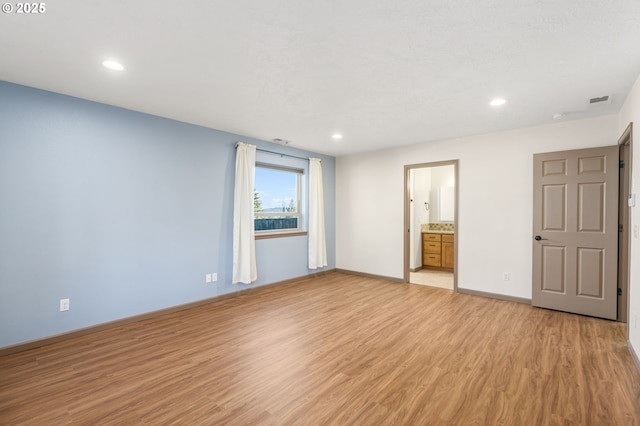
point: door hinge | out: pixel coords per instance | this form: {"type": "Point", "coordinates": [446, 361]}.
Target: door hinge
{"type": "Point", "coordinates": [622, 164]}
{"type": "Point", "coordinates": [619, 292]}
{"type": "Point", "coordinates": [620, 227]}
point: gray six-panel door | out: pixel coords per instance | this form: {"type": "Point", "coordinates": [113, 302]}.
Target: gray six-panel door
{"type": "Point", "coordinates": [575, 231]}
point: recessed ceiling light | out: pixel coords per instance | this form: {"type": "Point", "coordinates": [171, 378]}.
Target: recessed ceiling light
{"type": "Point", "coordinates": [497, 102]}
{"type": "Point", "coordinates": [113, 65]}
{"type": "Point", "coordinates": [337, 136]}
{"type": "Point", "coordinates": [558, 116]}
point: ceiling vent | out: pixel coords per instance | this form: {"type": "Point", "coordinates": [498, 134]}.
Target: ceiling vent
{"type": "Point", "coordinates": [600, 103]}
{"type": "Point", "coordinates": [280, 141]}
{"type": "Point", "coordinates": [598, 100]}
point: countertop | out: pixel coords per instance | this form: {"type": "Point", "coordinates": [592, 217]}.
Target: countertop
{"type": "Point", "coordinates": [439, 232]}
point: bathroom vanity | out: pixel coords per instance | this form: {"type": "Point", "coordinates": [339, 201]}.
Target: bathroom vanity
{"type": "Point", "coordinates": [438, 250]}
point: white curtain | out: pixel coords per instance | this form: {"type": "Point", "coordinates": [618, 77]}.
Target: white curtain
{"type": "Point", "coordinates": [317, 243]}
{"type": "Point", "coordinates": [244, 244]}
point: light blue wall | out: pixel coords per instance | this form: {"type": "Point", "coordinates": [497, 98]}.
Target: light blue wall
{"type": "Point", "coordinates": [122, 212]}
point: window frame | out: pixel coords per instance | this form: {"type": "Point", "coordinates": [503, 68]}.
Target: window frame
{"type": "Point", "coordinates": [298, 214]}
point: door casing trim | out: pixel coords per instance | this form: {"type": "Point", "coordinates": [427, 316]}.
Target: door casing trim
{"type": "Point", "coordinates": [623, 262]}
{"type": "Point", "coordinates": [407, 225]}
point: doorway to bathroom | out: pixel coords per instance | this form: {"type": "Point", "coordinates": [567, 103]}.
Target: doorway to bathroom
{"type": "Point", "coordinates": [430, 219]}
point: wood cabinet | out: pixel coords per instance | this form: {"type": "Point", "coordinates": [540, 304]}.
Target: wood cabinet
{"type": "Point", "coordinates": [437, 251]}
{"type": "Point", "coordinates": [447, 251]}
{"type": "Point", "coordinates": [431, 250]}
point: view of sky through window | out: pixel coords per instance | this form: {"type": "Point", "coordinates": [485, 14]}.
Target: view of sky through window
{"type": "Point", "coordinates": [276, 189]}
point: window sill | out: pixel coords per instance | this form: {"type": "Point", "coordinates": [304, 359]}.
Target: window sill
{"type": "Point", "coordinates": [280, 235]}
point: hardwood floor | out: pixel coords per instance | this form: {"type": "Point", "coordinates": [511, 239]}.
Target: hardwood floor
{"type": "Point", "coordinates": [338, 349]}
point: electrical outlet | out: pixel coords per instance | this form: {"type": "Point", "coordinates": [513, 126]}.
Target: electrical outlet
{"type": "Point", "coordinates": [208, 278]}
{"type": "Point", "coordinates": [64, 305]}
{"type": "Point", "coordinates": [214, 277]}
{"type": "Point", "coordinates": [506, 276]}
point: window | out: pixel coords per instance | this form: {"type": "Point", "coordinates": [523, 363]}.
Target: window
{"type": "Point", "coordinates": [276, 200]}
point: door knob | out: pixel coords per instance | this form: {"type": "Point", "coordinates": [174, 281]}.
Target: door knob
{"type": "Point", "coordinates": [538, 237]}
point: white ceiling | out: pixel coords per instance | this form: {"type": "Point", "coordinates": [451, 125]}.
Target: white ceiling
{"type": "Point", "coordinates": [381, 72]}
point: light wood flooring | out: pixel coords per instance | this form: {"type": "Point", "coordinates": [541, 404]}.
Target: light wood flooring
{"type": "Point", "coordinates": [337, 349]}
